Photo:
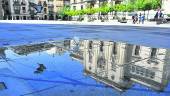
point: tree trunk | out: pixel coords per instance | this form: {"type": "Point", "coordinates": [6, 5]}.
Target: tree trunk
{"type": "Point", "coordinates": [148, 15]}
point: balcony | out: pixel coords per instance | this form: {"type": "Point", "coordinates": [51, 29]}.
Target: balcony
{"type": "Point", "coordinates": [23, 3]}
{"type": "Point", "coordinates": [66, 2]}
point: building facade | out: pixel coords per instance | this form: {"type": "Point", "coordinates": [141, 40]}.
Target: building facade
{"type": "Point", "coordinates": [82, 4]}
{"type": "Point", "coordinates": [166, 6]}
{"type": "Point", "coordinates": [24, 9]}
{"type": "Point", "coordinates": [55, 7]}
{"type": "Point", "coordinates": [1, 11]}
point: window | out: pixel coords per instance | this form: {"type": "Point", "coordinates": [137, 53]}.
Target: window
{"type": "Point", "coordinates": [81, 7]}
{"type": "Point", "coordinates": [137, 49]}
{"type": "Point", "coordinates": [74, 1]}
{"type": "Point", "coordinates": [45, 10]}
{"type": "Point", "coordinates": [24, 17]}
{"type": "Point", "coordinates": [23, 10]}
{"type": "Point", "coordinates": [74, 7]}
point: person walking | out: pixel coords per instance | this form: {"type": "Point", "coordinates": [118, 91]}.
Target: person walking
{"type": "Point", "coordinates": [158, 17]}
{"type": "Point", "coordinates": [142, 19]}
{"type": "Point", "coordinates": [133, 19]}
{"type": "Point", "coordinates": [136, 18]}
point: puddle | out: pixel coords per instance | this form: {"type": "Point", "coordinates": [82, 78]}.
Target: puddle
{"type": "Point", "coordinates": [84, 68]}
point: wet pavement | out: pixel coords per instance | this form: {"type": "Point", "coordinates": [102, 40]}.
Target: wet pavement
{"type": "Point", "coordinates": [83, 67]}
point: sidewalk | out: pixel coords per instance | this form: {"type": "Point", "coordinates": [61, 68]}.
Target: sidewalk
{"type": "Point", "coordinates": [111, 22]}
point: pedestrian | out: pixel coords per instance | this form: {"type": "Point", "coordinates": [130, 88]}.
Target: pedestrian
{"type": "Point", "coordinates": [143, 19]}
{"type": "Point", "coordinates": [133, 19]}
{"type": "Point", "coordinates": [136, 18]}
{"type": "Point", "coordinates": [158, 17]}
{"type": "Point", "coordinates": [140, 18]}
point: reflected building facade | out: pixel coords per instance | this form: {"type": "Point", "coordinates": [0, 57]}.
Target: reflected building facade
{"type": "Point", "coordinates": [120, 65]}
{"type": "Point", "coordinates": [28, 49]}
{"type": "Point", "coordinates": [2, 54]}
{"type": "Point", "coordinates": [148, 67]}
{"type": "Point", "coordinates": [104, 61]}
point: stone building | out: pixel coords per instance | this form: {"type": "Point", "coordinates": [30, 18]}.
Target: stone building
{"type": "Point", "coordinates": [1, 11]}
{"type": "Point", "coordinates": [166, 6]}
{"type": "Point", "coordinates": [24, 9]}
{"type": "Point", "coordinates": [55, 7]}
{"type": "Point", "coordinates": [82, 4]}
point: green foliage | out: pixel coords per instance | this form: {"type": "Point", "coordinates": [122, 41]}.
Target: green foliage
{"type": "Point", "coordinates": [105, 8]}
{"type": "Point", "coordinates": [168, 15]}
{"type": "Point", "coordinates": [90, 11]}
{"type": "Point", "coordinates": [147, 5]}
{"type": "Point", "coordinates": [155, 3]}
{"type": "Point", "coordinates": [129, 7]}
{"type": "Point", "coordinates": [141, 5]}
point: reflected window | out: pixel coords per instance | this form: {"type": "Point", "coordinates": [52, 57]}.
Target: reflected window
{"type": "Point", "coordinates": [137, 49]}
{"type": "Point", "coordinates": [152, 75]}
{"type": "Point", "coordinates": [89, 67]}
{"type": "Point", "coordinates": [90, 57]}
{"type": "Point", "coordinates": [142, 71]}
{"type": "Point", "coordinates": [101, 63]}
{"type": "Point", "coordinates": [147, 73]}
{"type": "Point", "coordinates": [90, 44]}
{"type": "Point", "coordinates": [114, 50]}
{"type": "Point", "coordinates": [112, 77]}
{"type": "Point", "coordinates": [133, 68]}
{"type": "Point", "coordinates": [153, 52]}
{"type": "Point", "coordinates": [113, 67]}
{"type": "Point", "coordinates": [137, 70]}
{"type": "Point", "coordinates": [101, 46]}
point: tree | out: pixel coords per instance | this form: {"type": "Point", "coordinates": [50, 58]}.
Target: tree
{"type": "Point", "coordinates": [147, 6]}
{"type": "Point", "coordinates": [129, 7]}
{"type": "Point", "coordinates": [139, 4]}
{"type": "Point", "coordinates": [155, 4]}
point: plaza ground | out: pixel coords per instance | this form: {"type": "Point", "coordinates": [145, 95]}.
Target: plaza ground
{"type": "Point", "coordinates": [21, 32]}
{"type": "Point", "coordinates": [111, 22]}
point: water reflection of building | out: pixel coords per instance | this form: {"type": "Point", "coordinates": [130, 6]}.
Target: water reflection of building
{"type": "Point", "coordinates": [27, 49]}
{"type": "Point", "coordinates": [77, 48]}
{"type": "Point", "coordinates": [2, 53]}
{"type": "Point", "coordinates": [150, 68]}
{"type": "Point", "coordinates": [104, 62]}
{"type": "Point", "coordinates": [119, 65]}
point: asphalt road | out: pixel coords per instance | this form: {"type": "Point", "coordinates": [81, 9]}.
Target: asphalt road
{"type": "Point", "coordinates": [14, 34]}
